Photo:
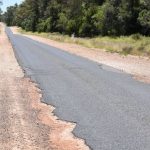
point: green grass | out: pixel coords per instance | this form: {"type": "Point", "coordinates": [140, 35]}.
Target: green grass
{"type": "Point", "coordinates": [135, 44]}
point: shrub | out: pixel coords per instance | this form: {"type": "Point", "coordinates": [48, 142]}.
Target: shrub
{"type": "Point", "coordinates": [136, 36]}
{"type": "Point", "coordinates": [127, 50]}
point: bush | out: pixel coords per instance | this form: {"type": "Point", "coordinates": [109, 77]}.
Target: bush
{"type": "Point", "coordinates": [72, 27]}
{"type": "Point", "coordinates": [41, 27]}
{"type": "Point", "coordinates": [136, 36]}
{"type": "Point", "coordinates": [127, 50]}
{"type": "Point", "coordinates": [62, 22]}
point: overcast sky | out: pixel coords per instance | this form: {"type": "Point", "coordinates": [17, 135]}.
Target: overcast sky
{"type": "Point", "coordinates": [7, 3]}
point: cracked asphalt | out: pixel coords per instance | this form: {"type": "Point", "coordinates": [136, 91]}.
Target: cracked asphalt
{"type": "Point", "coordinates": [111, 109]}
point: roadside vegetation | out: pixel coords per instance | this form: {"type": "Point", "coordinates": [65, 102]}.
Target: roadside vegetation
{"type": "Point", "coordinates": [135, 44]}
{"type": "Point", "coordinates": [121, 26]}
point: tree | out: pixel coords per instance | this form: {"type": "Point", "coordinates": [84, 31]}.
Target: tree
{"type": "Point", "coordinates": [10, 15]}
{"type": "Point", "coordinates": [88, 26]}
{"type": "Point", "coordinates": [52, 12]}
{"type": "Point", "coordinates": [1, 16]}
{"type": "Point", "coordinates": [144, 18]}
{"type": "Point", "coordinates": [82, 17]}
{"type": "Point", "coordinates": [127, 16]}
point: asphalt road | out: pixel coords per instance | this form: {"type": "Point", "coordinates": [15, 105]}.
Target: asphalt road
{"type": "Point", "coordinates": [111, 109]}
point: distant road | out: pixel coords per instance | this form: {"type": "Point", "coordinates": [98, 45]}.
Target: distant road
{"type": "Point", "coordinates": [112, 110]}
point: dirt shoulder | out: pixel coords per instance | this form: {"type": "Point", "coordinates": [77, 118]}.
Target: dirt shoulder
{"type": "Point", "coordinates": [138, 67]}
{"type": "Point", "coordinates": [26, 123]}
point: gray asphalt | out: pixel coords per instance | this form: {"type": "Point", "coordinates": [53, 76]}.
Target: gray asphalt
{"type": "Point", "coordinates": [111, 109]}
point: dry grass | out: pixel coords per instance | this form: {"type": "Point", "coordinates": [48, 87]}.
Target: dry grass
{"type": "Point", "coordinates": [135, 44]}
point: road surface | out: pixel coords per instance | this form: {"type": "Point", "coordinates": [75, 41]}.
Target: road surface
{"type": "Point", "coordinates": [110, 108]}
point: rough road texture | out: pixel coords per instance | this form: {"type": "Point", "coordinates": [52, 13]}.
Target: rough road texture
{"type": "Point", "coordinates": [110, 108]}
{"type": "Point", "coordinates": [26, 123]}
{"type": "Point", "coordinates": [137, 66]}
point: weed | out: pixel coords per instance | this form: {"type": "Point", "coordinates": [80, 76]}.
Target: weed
{"type": "Point", "coordinates": [126, 50]}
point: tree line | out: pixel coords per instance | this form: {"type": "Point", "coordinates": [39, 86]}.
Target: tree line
{"type": "Point", "coordinates": [84, 18]}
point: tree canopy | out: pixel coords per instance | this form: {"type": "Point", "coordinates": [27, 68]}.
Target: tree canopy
{"type": "Point", "coordinates": [84, 18]}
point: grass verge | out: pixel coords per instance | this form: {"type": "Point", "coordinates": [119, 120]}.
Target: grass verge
{"type": "Point", "coordinates": [135, 44]}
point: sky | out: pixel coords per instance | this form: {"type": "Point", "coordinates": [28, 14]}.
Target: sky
{"type": "Point", "coordinates": [7, 3]}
